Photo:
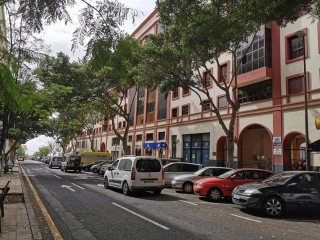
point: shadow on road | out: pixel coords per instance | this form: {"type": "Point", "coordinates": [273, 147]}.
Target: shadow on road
{"type": "Point", "coordinates": [295, 215]}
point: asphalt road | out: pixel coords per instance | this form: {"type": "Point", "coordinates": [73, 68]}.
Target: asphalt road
{"type": "Point", "coordinates": [82, 209]}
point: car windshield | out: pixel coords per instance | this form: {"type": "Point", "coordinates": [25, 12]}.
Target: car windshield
{"type": "Point", "coordinates": [226, 174]}
{"type": "Point", "coordinates": [279, 178]}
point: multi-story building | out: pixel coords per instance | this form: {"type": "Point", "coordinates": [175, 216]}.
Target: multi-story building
{"type": "Point", "coordinates": [270, 125]}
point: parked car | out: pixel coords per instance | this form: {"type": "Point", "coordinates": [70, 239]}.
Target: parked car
{"type": "Point", "coordinates": [215, 188]}
{"type": "Point", "coordinates": [21, 158]}
{"type": "Point", "coordinates": [135, 173]}
{"type": "Point", "coordinates": [280, 192]}
{"type": "Point", "coordinates": [45, 160]}
{"type": "Point", "coordinates": [168, 160]}
{"type": "Point", "coordinates": [105, 167]}
{"type": "Point", "coordinates": [96, 167]}
{"type": "Point", "coordinates": [87, 167]}
{"type": "Point", "coordinates": [185, 182]}
{"type": "Point", "coordinates": [172, 170]}
{"type": "Point", "coordinates": [55, 162]}
{"type": "Point", "coordinates": [72, 162]}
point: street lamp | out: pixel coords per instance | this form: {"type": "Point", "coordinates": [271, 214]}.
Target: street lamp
{"type": "Point", "coordinates": [302, 35]}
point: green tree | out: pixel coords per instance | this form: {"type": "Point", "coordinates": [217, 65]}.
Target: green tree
{"type": "Point", "coordinates": [196, 33]}
{"type": "Point", "coordinates": [115, 66]}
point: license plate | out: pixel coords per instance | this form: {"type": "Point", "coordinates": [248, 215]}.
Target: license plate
{"type": "Point", "coordinates": [236, 196]}
{"type": "Point", "coordinates": [149, 181]}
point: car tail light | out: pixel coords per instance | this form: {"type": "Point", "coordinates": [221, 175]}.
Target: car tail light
{"type": "Point", "coordinates": [133, 173]}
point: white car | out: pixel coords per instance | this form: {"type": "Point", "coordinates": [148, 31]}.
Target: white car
{"type": "Point", "coordinates": [135, 173]}
{"type": "Point", "coordinates": [105, 167]}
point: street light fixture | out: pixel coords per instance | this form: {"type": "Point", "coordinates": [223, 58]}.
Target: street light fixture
{"type": "Point", "coordinates": [302, 35]}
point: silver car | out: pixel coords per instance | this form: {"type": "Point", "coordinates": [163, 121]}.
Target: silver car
{"type": "Point", "coordinates": [178, 168]}
{"type": "Point", "coordinates": [185, 182]}
{"type": "Point", "coordinates": [55, 162]}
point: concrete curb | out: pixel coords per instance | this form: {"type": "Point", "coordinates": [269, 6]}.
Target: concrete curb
{"type": "Point", "coordinates": [35, 230]}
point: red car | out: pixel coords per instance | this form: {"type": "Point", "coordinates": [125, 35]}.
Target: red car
{"type": "Point", "coordinates": [214, 188]}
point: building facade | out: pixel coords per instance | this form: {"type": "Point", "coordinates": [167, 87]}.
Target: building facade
{"type": "Point", "coordinates": [270, 125]}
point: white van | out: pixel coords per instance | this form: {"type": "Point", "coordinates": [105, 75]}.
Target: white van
{"type": "Point", "coordinates": [135, 173]}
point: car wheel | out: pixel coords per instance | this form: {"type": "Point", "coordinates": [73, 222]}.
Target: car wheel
{"type": "Point", "coordinates": [66, 169]}
{"type": "Point", "coordinates": [79, 170]}
{"type": "Point", "coordinates": [273, 207]}
{"type": "Point", "coordinates": [106, 183]}
{"type": "Point", "coordinates": [95, 170]}
{"type": "Point", "coordinates": [187, 187]}
{"type": "Point", "coordinates": [157, 192]}
{"type": "Point", "coordinates": [125, 189]}
{"type": "Point", "coordinates": [214, 194]}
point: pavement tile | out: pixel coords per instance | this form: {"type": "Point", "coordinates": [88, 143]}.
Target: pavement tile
{"type": "Point", "coordinates": [15, 224]}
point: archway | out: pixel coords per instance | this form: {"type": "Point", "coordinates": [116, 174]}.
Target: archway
{"type": "Point", "coordinates": [222, 151]}
{"type": "Point", "coordinates": [103, 147]}
{"type": "Point", "coordinates": [256, 147]}
{"type": "Point", "coordinates": [294, 151]}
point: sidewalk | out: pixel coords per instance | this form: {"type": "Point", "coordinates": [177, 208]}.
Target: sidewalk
{"type": "Point", "coordinates": [19, 222]}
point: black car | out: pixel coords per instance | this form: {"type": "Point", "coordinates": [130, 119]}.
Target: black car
{"type": "Point", "coordinates": [280, 192]}
{"type": "Point", "coordinates": [87, 167]}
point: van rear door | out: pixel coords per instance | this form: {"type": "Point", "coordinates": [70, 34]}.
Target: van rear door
{"type": "Point", "coordinates": [148, 172]}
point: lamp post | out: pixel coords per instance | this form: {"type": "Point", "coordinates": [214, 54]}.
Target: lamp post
{"type": "Point", "coordinates": [302, 35]}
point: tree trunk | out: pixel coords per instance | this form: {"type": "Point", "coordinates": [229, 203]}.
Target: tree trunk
{"type": "Point", "coordinates": [230, 149]}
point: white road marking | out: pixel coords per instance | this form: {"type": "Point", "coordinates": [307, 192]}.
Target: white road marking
{"type": "Point", "coordinates": [57, 176]}
{"type": "Point", "coordinates": [77, 186]}
{"type": "Point", "coordinates": [138, 215]}
{"type": "Point", "coordinates": [100, 185]}
{"type": "Point", "coordinates": [188, 202]}
{"type": "Point", "coordinates": [46, 171]}
{"type": "Point", "coordinates": [68, 187]}
{"type": "Point", "coordinates": [250, 219]}
{"type": "Point", "coordinates": [30, 175]}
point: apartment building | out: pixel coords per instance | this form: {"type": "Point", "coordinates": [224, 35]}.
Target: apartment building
{"type": "Point", "coordinates": [270, 126]}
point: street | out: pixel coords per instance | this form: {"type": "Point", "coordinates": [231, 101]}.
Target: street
{"type": "Point", "coordinates": [81, 208]}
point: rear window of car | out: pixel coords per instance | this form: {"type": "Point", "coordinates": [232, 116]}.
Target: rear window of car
{"type": "Point", "coordinates": [57, 159]}
{"type": "Point", "coordinates": [148, 165]}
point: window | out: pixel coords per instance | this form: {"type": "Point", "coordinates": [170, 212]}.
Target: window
{"type": "Point", "coordinates": [255, 92]}
{"type": "Point", "coordinates": [122, 164]}
{"type": "Point", "coordinates": [185, 91]}
{"type": "Point", "coordinates": [189, 168]}
{"type": "Point", "coordinates": [149, 137]}
{"type": "Point", "coordinates": [175, 93]}
{"type": "Point", "coordinates": [161, 135]}
{"type": "Point", "coordinates": [124, 124]}
{"type": "Point", "coordinates": [130, 138]}
{"type": "Point", "coordinates": [258, 54]}
{"type": "Point", "coordinates": [206, 79]}
{"type": "Point", "coordinates": [139, 138]}
{"type": "Point", "coordinates": [174, 112]}
{"type": "Point", "coordinates": [223, 73]}
{"type": "Point", "coordinates": [295, 85]}
{"type": "Point", "coordinates": [148, 165]}
{"type": "Point", "coordinates": [115, 141]}
{"type": "Point", "coordinates": [185, 110]}
{"type": "Point", "coordinates": [205, 105]}
{"type": "Point", "coordinates": [295, 47]}
{"type": "Point", "coordinates": [222, 102]}
{"type": "Point", "coordinates": [119, 125]}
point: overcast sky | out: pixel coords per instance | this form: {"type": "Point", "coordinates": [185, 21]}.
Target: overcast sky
{"type": "Point", "coordinates": [59, 35]}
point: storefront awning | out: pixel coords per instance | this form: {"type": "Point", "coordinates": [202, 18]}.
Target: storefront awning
{"type": "Point", "coordinates": [155, 145]}
{"type": "Point", "coordinates": [315, 146]}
